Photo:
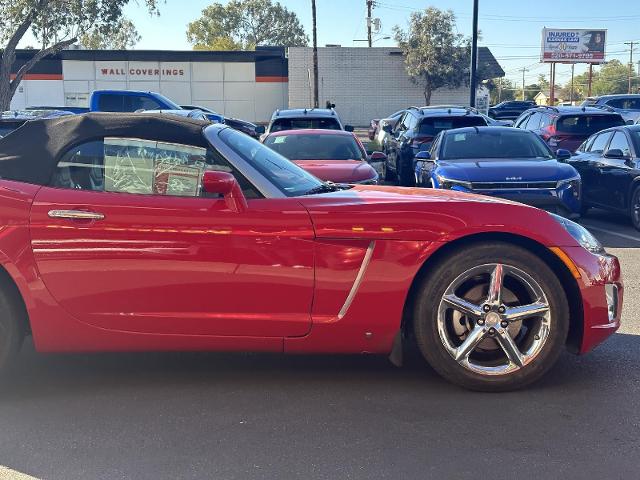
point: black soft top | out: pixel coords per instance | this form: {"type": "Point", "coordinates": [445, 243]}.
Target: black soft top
{"type": "Point", "coordinates": [30, 153]}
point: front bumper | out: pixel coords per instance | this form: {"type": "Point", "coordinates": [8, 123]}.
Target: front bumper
{"type": "Point", "coordinates": [599, 274]}
{"type": "Point", "coordinates": [561, 200]}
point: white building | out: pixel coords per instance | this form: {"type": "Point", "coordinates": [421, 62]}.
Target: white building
{"type": "Point", "coordinates": [364, 83]}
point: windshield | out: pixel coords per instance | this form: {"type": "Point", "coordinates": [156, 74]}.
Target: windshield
{"type": "Point", "coordinates": [316, 146]}
{"type": "Point", "coordinates": [433, 126]}
{"type": "Point", "coordinates": [4, 131]}
{"type": "Point", "coordinates": [504, 144]}
{"type": "Point", "coordinates": [635, 135]}
{"type": "Point", "coordinates": [304, 123]}
{"type": "Point", "coordinates": [587, 124]}
{"type": "Point", "coordinates": [285, 175]}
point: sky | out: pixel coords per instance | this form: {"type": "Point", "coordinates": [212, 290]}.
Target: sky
{"type": "Point", "coordinates": [511, 29]}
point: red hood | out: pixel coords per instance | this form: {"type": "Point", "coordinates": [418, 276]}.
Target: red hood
{"type": "Point", "coordinates": [399, 213]}
{"type": "Point", "coordinates": [338, 171]}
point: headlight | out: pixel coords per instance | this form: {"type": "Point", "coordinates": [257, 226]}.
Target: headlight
{"type": "Point", "coordinates": [574, 183]}
{"type": "Point", "coordinates": [370, 181]}
{"type": "Point", "coordinates": [449, 183]}
{"type": "Point", "coordinates": [580, 234]}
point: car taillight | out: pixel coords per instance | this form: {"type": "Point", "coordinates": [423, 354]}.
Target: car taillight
{"type": "Point", "coordinates": [419, 142]}
{"type": "Point", "coordinates": [548, 132]}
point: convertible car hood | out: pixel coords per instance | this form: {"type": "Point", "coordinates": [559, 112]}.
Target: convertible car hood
{"type": "Point", "coordinates": [338, 171]}
{"type": "Point", "coordinates": [494, 170]}
{"type": "Point", "coordinates": [397, 213]}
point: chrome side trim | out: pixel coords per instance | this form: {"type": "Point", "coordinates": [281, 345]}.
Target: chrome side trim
{"type": "Point", "coordinates": [358, 280]}
{"type": "Point", "coordinates": [76, 214]}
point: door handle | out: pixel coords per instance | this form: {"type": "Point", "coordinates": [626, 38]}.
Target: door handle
{"type": "Point", "coordinates": [76, 214]}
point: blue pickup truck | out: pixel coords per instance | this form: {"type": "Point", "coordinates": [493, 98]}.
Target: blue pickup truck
{"type": "Point", "coordinates": [122, 101]}
{"type": "Point", "coordinates": [133, 100]}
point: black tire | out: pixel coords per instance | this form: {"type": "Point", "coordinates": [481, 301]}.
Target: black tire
{"type": "Point", "coordinates": [584, 210]}
{"type": "Point", "coordinates": [406, 174]}
{"type": "Point", "coordinates": [388, 175]}
{"type": "Point", "coordinates": [11, 327]}
{"type": "Point", "coordinates": [634, 208]}
{"type": "Point", "coordinates": [438, 279]}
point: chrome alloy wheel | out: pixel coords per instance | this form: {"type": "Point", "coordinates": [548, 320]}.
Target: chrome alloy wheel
{"type": "Point", "coordinates": [494, 319]}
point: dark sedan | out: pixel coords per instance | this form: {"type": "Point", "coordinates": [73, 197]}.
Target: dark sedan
{"type": "Point", "coordinates": [609, 164]}
{"type": "Point", "coordinates": [510, 110]}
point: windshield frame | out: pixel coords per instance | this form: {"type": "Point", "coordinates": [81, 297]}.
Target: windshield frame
{"type": "Point", "coordinates": [525, 133]}
{"type": "Point", "coordinates": [251, 169]}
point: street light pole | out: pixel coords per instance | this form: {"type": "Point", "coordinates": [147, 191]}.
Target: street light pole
{"type": "Point", "coordinates": [474, 56]}
{"type": "Point", "coordinates": [631, 44]}
{"type": "Point", "coordinates": [369, 20]}
{"type": "Point", "coordinates": [316, 102]}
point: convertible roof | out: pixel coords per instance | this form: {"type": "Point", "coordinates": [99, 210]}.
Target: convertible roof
{"type": "Point", "coordinates": [30, 153]}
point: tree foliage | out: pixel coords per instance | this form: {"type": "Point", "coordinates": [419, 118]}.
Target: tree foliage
{"type": "Point", "coordinates": [55, 24]}
{"type": "Point", "coordinates": [243, 24]}
{"type": "Point", "coordinates": [119, 36]}
{"type": "Point", "coordinates": [435, 55]}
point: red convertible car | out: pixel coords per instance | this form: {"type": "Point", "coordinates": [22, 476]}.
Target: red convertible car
{"type": "Point", "coordinates": [145, 232]}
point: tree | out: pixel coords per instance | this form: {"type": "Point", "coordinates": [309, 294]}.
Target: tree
{"type": "Point", "coordinates": [612, 78]}
{"type": "Point", "coordinates": [501, 90]}
{"type": "Point", "coordinates": [119, 36]}
{"type": "Point", "coordinates": [243, 24]}
{"type": "Point", "coordinates": [56, 24]}
{"type": "Point", "coordinates": [435, 56]}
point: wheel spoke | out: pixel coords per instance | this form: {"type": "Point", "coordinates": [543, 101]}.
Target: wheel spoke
{"type": "Point", "coordinates": [510, 348]}
{"type": "Point", "coordinates": [470, 343]}
{"type": "Point", "coordinates": [463, 305]}
{"type": "Point", "coordinates": [495, 286]}
{"type": "Point", "coordinates": [514, 314]}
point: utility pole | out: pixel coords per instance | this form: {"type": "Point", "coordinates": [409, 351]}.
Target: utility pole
{"type": "Point", "coordinates": [369, 22]}
{"type": "Point", "coordinates": [524, 70]}
{"type": "Point", "coordinates": [573, 65]}
{"type": "Point", "coordinates": [631, 44]}
{"type": "Point", "coordinates": [474, 57]}
{"type": "Point", "coordinates": [316, 102]}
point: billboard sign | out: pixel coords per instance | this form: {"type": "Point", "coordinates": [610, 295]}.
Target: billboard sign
{"type": "Point", "coordinates": [573, 45]}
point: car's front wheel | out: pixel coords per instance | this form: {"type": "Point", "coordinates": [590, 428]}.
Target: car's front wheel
{"type": "Point", "coordinates": [491, 317]}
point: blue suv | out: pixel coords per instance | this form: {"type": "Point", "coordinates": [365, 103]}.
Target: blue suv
{"type": "Point", "coordinates": [503, 162]}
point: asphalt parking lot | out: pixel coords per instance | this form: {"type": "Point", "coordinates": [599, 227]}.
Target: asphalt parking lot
{"type": "Point", "coordinates": [247, 416]}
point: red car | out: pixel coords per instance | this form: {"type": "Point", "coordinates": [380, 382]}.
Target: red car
{"type": "Point", "coordinates": [331, 155]}
{"type": "Point", "coordinates": [150, 232]}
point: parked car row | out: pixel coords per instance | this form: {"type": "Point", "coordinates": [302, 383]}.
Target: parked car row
{"type": "Point", "coordinates": [554, 158]}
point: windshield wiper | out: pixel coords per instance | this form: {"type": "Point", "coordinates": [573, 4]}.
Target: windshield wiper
{"type": "Point", "coordinates": [324, 187]}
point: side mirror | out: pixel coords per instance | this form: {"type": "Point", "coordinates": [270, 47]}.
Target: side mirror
{"type": "Point", "coordinates": [423, 155]}
{"type": "Point", "coordinates": [348, 128]}
{"type": "Point", "coordinates": [614, 153]}
{"type": "Point", "coordinates": [260, 129]}
{"type": "Point", "coordinates": [225, 184]}
{"type": "Point", "coordinates": [387, 128]}
{"type": "Point", "coordinates": [562, 154]}
{"type": "Point", "coordinates": [377, 157]}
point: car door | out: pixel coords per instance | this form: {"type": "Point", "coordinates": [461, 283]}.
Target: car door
{"type": "Point", "coordinates": [589, 165]}
{"type": "Point", "coordinates": [124, 239]}
{"type": "Point", "coordinates": [397, 140]}
{"type": "Point", "coordinates": [617, 173]}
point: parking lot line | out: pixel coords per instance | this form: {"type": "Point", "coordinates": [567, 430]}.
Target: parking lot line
{"type": "Point", "coordinates": [609, 232]}
{"type": "Point", "coordinates": [8, 474]}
